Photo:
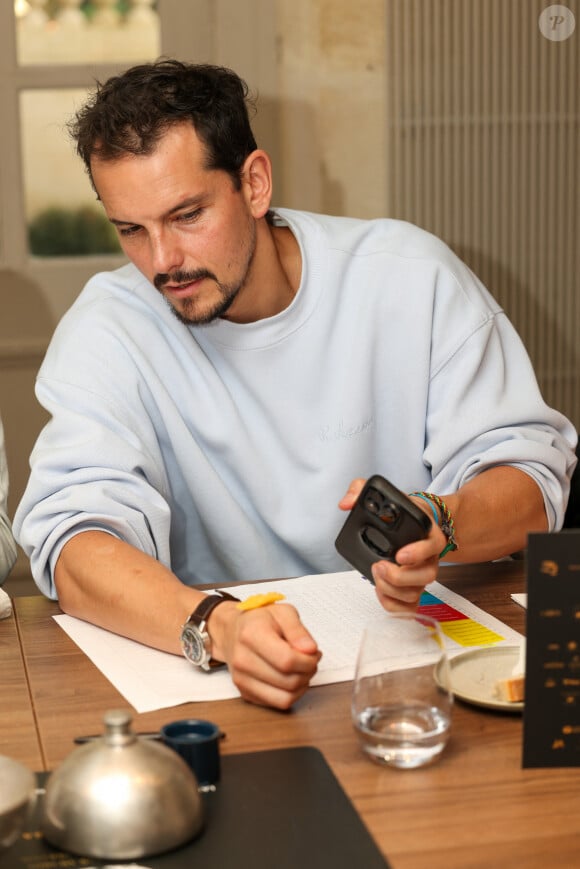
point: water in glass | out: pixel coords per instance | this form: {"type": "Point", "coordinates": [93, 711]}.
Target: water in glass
{"type": "Point", "coordinates": [403, 736]}
{"type": "Point", "coordinates": [401, 701]}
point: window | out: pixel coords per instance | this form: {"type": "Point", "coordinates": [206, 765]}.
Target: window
{"type": "Point", "coordinates": [61, 215]}
{"type": "Point", "coordinates": [52, 52]}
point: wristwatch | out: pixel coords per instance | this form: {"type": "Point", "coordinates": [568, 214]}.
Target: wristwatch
{"type": "Point", "coordinates": [195, 640]}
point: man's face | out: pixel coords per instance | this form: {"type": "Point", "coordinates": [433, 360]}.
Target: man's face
{"type": "Point", "coordinates": [186, 228]}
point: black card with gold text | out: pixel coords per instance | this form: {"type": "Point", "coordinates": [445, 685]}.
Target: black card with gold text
{"type": "Point", "coordinates": [552, 689]}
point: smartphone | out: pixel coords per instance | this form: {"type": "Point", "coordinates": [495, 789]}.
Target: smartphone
{"type": "Point", "coordinates": [380, 523]}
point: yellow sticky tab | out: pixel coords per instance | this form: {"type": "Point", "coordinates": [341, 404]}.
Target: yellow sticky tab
{"type": "Point", "coordinates": [257, 600]}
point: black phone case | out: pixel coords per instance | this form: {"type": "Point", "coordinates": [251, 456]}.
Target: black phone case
{"type": "Point", "coordinates": [380, 523]}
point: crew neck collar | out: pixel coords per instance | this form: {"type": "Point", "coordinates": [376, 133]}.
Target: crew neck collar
{"type": "Point", "coordinates": [262, 333]}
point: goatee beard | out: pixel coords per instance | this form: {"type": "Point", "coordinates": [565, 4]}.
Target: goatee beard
{"type": "Point", "coordinates": [187, 314]}
{"type": "Point", "coordinates": [191, 312]}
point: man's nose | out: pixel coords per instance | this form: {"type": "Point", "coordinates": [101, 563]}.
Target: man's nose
{"type": "Point", "coordinates": [166, 254]}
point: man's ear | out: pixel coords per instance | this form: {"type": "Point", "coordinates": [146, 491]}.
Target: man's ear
{"type": "Point", "coordinates": [257, 182]}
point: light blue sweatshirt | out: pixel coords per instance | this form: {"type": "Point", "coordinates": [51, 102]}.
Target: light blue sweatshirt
{"type": "Point", "coordinates": [223, 450]}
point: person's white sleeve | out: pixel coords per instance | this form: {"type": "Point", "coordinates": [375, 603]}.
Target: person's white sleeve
{"type": "Point", "coordinates": [7, 544]}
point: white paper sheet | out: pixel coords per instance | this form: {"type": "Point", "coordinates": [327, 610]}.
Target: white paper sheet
{"type": "Point", "coordinates": [521, 599]}
{"type": "Point", "coordinates": [334, 607]}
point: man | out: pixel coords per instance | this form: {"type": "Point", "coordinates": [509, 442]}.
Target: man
{"type": "Point", "coordinates": [7, 544]}
{"type": "Point", "coordinates": [212, 400]}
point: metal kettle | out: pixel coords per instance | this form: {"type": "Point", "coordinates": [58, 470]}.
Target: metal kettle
{"type": "Point", "coordinates": [121, 797]}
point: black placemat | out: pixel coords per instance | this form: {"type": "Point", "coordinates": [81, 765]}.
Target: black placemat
{"type": "Point", "coordinates": [281, 809]}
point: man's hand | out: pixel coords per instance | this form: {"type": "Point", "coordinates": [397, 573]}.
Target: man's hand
{"type": "Point", "coordinates": [270, 654]}
{"type": "Point", "coordinates": [399, 584]}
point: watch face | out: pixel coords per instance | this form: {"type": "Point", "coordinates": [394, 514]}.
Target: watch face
{"type": "Point", "coordinates": [193, 645]}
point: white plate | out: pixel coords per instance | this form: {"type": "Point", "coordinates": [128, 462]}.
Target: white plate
{"type": "Point", "coordinates": [475, 674]}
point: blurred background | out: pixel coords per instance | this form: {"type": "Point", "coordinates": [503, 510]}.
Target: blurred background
{"type": "Point", "coordinates": [461, 116]}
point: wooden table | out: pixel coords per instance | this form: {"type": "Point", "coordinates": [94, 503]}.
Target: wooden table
{"type": "Point", "coordinates": [18, 733]}
{"type": "Point", "coordinates": [475, 807]}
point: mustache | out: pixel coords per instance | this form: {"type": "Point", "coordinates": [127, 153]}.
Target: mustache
{"type": "Point", "coordinates": [160, 281]}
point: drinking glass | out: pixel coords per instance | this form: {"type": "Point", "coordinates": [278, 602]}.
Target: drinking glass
{"type": "Point", "coordinates": [401, 700]}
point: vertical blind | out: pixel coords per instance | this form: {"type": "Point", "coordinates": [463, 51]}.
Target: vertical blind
{"type": "Point", "coordinates": [483, 149]}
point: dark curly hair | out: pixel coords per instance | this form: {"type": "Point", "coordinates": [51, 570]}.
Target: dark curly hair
{"type": "Point", "coordinates": [129, 113]}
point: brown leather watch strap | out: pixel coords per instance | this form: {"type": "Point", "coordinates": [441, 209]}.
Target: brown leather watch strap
{"type": "Point", "coordinates": [204, 609]}
{"type": "Point", "coordinates": [195, 639]}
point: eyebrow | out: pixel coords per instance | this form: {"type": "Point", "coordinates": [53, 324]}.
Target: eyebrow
{"type": "Point", "coordinates": [190, 201]}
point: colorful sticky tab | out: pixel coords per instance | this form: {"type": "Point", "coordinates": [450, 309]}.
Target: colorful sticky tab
{"type": "Point", "coordinates": [458, 627]}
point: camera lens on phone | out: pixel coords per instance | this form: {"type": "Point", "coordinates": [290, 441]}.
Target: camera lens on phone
{"type": "Point", "coordinates": [389, 514]}
{"type": "Point", "coordinates": [373, 501]}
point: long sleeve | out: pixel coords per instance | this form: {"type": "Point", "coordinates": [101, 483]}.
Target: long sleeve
{"type": "Point", "coordinates": [7, 544]}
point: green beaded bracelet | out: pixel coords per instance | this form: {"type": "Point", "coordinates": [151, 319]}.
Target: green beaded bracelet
{"type": "Point", "coordinates": [447, 523]}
